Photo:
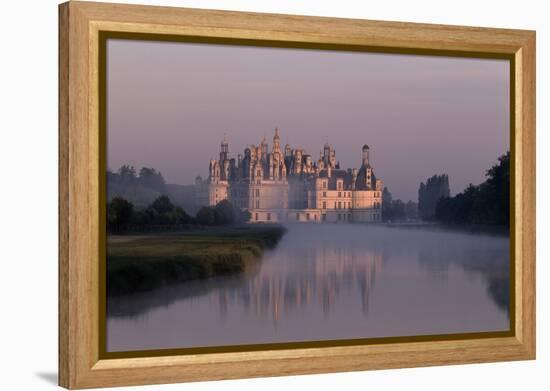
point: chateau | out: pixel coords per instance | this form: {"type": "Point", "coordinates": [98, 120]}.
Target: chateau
{"type": "Point", "coordinates": [287, 185]}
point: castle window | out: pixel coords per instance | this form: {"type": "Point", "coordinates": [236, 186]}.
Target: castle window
{"type": "Point", "coordinates": [256, 216]}
{"type": "Point", "coordinates": [307, 216]}
{"type": "Point", "coordinates": [257, 204]}
{"type": "Point", "coordinates": [339, 194]}
{"type": "Point", "coordinates": [324, 205]}
{"type": "Point", "coordinates": [334, 204]}
{"type": "Point", "coordinates": [269, 216]}
{"type": "Point", "coordinates": [324, 194]}
{"type": "Point", "coordinates": [324, 184]}
{"type": "Point", "coordinates": [257, 192]}
{"type": "Point", "coordinates": [339, 205]}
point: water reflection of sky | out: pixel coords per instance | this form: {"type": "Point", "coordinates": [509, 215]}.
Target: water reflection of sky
{"type": "Point", "coordinates": [330, 282]}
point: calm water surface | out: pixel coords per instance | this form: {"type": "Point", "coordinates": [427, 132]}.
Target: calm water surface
{"type": "Point", "coordinates": [326, 282]}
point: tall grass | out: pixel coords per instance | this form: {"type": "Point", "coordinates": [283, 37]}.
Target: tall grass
{"type": "Point", "coordinates": [145, 263]}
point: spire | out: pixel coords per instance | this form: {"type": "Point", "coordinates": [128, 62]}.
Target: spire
{"type": "Point", "coordinates": [276, 134]}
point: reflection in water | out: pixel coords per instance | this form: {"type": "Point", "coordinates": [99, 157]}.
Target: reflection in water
{"type": "Point", "coordinates": [330, 282]}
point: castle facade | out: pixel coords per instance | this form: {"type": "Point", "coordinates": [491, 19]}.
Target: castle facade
{"type": "Point", "coordinates": [287, 185]}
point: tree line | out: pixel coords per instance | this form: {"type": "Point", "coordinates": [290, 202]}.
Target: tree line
{"type": "Point", "coordinates": [397, 210]}
{"type": "Point", "coordinates": [122, 215]}
{"type": "Point", "coordinates": [484, 204]}
{"type": "Point", "coordinates": [487, 203]}
{"type": "Point", "coordinates": [128, 175]}
{"type": "Point", "coordinates": [429, 194]}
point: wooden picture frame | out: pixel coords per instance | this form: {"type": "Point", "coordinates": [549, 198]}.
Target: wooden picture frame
{"type": "Point", "coordinates": [81, 363]}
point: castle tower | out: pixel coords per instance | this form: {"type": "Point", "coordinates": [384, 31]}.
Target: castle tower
{"type": "Point", "coordinates": [332, 158]}
{"type": "Point", "coordinates": [366, 162]}
{"type": "Point", "coordinates": [297, 161]}
{"type": "Point", "coordinates": [225, 167]}
{"type": "Point", "coordinates": [320, 162]}
{"type": "Point", "coordinates": [276, 141]}
{"type": "Point", "coordinates": [224, 149]}
{"type": "Point", "coordinates": [288, 151]}
{"type": "Point", "coordinates": [326, 153]}
{"type": "Point", "coordinates": [263, 149]}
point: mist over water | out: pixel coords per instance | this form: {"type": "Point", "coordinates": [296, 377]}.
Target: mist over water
{"type": "Point", "coordinates": [327, 282]}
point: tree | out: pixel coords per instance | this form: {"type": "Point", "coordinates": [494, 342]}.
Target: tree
{"type": "Point", "coordinates": [386, 205]}
{"type": "Point", "coordinates": [119, 211]}
{"type": "Point", "coordinates": [411, 210]}
{"type": "Point", "coordinates": [398, 210]}
{"type": "Point", "coordinates": [206, 216]}
{"type": "Point", "coordinates": [127, 174]}
{"type": "Point", "coordinates": [224, 213]}
{"type": "Point", "coordinates": [179, 216]}
{"type": "Point", "coordinates": [392, 210]}
{"type": "Point", "coordinates": [162, 204]}
{"type": "Point", "coordinates": [488, 203]}
{"type": "Point", "coordinates": [429, 194]}
{"type": "Point", "coordinates": [243, 216]}
{"type": "Point", "coordinates": [149, 177]}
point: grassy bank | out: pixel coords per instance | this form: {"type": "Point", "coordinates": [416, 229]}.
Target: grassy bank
{"type": "Point", "coordinates": [140, 263]}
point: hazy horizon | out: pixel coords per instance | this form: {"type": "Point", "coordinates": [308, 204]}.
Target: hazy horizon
{"type": "Point", "coordinates": [170, 104]}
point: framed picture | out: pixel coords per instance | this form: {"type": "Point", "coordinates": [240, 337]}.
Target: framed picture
{"type": "Point", "coordinates": [247, 195]}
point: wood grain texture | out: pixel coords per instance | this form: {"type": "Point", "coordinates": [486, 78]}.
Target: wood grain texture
{"type": "Point", "coordinates": [79, 167]}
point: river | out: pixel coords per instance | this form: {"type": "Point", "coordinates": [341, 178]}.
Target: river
{"type": "Point", "coordinates": [330, 282]}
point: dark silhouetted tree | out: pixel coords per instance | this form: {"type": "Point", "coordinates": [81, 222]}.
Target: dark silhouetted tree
{"type": "Point", "coordinates": [488, 203]}
{"type": "Point", "coordinates": [387, 200]}
{"type": "Point", "coordinates": [119, 211]}
{"type": "Point", "coordinates": [162, 205]}
{"type": "Point", "coordinates": [411, 210]}
{"type": "Point", "coordinates": [429, 194]}
{"type": "Point", "coordinates": [392, 210]}
{"type": "Point", "coordinates": [149, 177]}
{"type": "Point", "coordinates": [127, 174]}
{"type": "Point", "coordinates": [206, 216]}
{"type": "Point", "coordinates": [224, 213]}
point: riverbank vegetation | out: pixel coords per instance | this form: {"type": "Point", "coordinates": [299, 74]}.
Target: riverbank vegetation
{"type": "Point", "coordinates": [163, 215]}
{"type": "Point", "coordinates": [142, 186]}
{"type": "Point", "coordinates": [397, 210]}
{"type": "Point", "coordinates": [142, 263]}
{"type": "Point", "coordinates": [429, 194]}
{"type": "Point", "coordinates": [485, 204]}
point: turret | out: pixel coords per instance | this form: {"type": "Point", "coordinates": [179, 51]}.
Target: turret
{"type": "Point", "coordinates": [353, 178]}
{"type": "Point", "coordinates": [276, 141]}
{"type": "Point", "coordinates": [366, 162]}
{"type": "Point", "coordinates": [224, 149]}
{"type": "Point", "coordinates": [263, 149]}
{"type": "Point", "coordinates": [288, 151]}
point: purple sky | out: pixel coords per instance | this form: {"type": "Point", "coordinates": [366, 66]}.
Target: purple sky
{"type": "Point", "coordinates": [170, 104]}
